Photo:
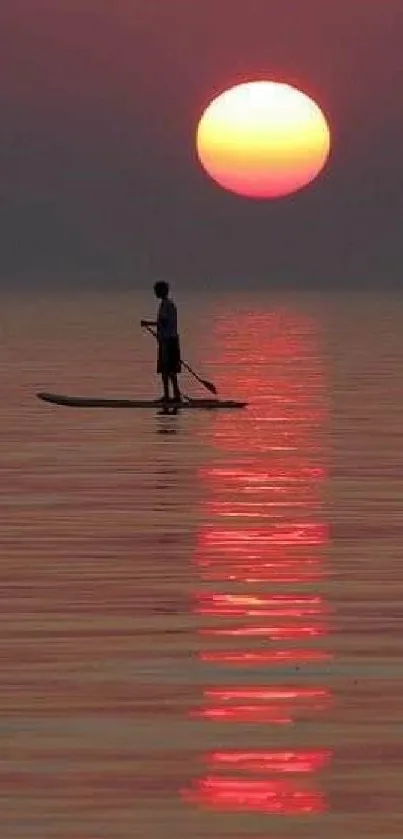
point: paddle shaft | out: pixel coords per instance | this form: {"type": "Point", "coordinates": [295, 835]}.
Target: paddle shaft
{"type": "Point", "coordinates": [208, 385]}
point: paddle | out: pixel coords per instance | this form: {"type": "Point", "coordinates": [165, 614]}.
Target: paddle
{"type": "Point", "coordinates": [208, 385]}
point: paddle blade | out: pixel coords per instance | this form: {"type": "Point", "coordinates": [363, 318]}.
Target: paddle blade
{"type": "Point", "coordinates": [209, 386]}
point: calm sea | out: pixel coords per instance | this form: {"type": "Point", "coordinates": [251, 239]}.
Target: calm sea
{"type": "Point", "coordinates": [202, 615]}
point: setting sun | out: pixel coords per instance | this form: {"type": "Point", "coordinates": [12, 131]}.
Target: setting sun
{"type": "Point", "coordinates": [263, 140]}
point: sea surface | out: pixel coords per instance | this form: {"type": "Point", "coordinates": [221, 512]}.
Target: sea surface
{"type": "Point", "coordinates": [201, 615]}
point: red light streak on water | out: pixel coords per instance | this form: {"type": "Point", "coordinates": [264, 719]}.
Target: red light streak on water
{"type": "Point", "coordinates": [276, 477]}
{"type": "Point", "coordinates": [285, 762]}
{"type": "Point", "coordinates": [278, 553]}
{"type": "Point", "coordinates": [250, 571]}
{"type": "Point", "coordinates": [277, 706]}
{"type": "Point", "coordinates": [276, 633]}
{"type": "Point", "coordinates": [296, 534]}
{"type": "Point", "coordinates": [265, 693]}
{"type": "Point", "coordinates": [245, 714]}
{"type": "Point", "coordinates": [269, 797]}
{"type": "Point", "coordinates": [246, 657]}
{"type": "Point", "coordinates": [300, 606]}
{"type": "Point", "coordinates": [264, 528]}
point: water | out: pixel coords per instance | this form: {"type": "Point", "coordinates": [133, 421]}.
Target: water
{"type": "Point", "coordinates": [201, 615]}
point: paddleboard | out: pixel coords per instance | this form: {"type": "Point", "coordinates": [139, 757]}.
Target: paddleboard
{"type": "Point", "coordinates": [94, 402]}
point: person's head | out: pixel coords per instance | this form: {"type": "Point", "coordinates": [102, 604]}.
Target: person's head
{"type": "Point", "coordinates": [161, 289]}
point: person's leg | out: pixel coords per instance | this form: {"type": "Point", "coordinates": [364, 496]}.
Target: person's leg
{"type": "Point", "coordinates": [175, 387]}
{"type": "Point", "coordinates": [162, 369]}
{"type": "Point", "coordinates": [175, 367]}
{"type": "Point", "coordinates": [165, 384]}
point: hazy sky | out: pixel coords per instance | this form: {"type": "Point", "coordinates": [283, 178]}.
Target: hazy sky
{"type": "Point", "coordinates": [99, 104]}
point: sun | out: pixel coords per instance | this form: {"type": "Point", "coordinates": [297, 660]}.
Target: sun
{"type": "Point", "coordinates": [263, 139]}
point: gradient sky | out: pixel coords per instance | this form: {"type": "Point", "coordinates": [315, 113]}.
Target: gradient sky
{"type": "Point", "coordinates": [99, 179]}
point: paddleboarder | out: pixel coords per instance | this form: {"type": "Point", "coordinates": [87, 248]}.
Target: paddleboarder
{"type": "Point", "coordinates": [169, 356]}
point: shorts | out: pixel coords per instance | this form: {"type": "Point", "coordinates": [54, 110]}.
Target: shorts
{"type": "Point", "coordinates": [169, 357]}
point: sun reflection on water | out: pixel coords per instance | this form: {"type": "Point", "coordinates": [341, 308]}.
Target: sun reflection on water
{"type": "Point", "coordinates": [263, 618]}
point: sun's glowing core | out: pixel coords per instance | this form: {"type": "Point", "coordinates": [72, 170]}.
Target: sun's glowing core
{"type": "Point", "coordinates": [263, 139]}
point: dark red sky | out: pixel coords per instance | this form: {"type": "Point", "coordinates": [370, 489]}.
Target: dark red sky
{"type": "Point", "coordinates": [99, 104]}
